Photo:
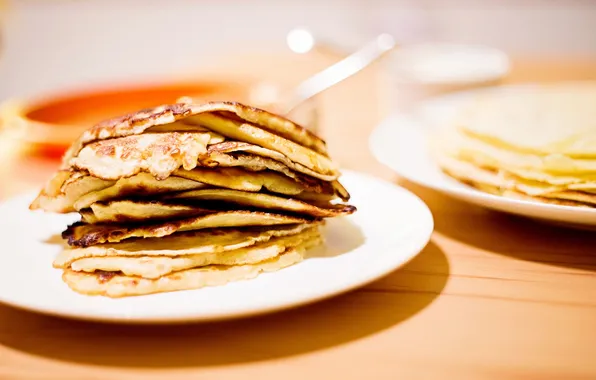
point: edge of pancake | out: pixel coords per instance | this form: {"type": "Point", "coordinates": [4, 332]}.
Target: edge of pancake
{"type": "Point", "coordinates": [491, 182]}
{"type": "Point", "coordinates": [115, 285]}
{"type": "Point", "coordinates": [154, 266]}
{"type": "Point", "coordinates": [234, 146]}
{"type": "Point", "coordinates": [139, 121]}
{"type": "Point", "coordinates": [276, 124]}
{"type": "Point", "coordinates": [265, 201]}
{"type": "Point", "coordinates": [56, 194]}
{"type": "Point", "coordinates": [244, 237]}
{"type": "Point", "coordinates": [228, 147]}
{"type": "Point", "coordinates": [80, 234]}
{"type": "Point", "coordinates": [179, 210]}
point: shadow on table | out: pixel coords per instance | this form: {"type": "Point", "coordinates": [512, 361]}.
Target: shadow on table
{"type": "Point", "coordinates": [326, 324]}
{"type": "Point", "coordinates": [509, 235]}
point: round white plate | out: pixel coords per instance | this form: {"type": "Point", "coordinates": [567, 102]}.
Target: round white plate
{"type": "Point", "coordinates": [400, 143]}
{"type": "Point", "coordinates": [390, 227]}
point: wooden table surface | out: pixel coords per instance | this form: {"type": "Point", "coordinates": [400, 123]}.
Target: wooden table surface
{"type": "Point", "coordinates": [490, 297]}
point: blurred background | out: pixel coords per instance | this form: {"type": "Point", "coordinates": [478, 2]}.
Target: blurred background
{"type": "Point", "coordinates": [65, 64]}
{"type": "Point", "coordinates": [47, 44]}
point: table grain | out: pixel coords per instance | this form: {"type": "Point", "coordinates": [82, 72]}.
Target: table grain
{"type": "Point", "coordinates": [492, 296]}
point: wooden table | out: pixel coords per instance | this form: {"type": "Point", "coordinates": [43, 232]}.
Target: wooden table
{"type": "Point", "coordinates": [491, 297]}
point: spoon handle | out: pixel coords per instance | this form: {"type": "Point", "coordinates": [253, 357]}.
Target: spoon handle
{"type": "Point", "coordinates": [341, 70]}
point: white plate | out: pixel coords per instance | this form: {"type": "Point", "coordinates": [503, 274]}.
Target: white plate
{"type": "Point", "coordinates": [400, 143]}
{"type": "Point", "coordinates": [390, 227]}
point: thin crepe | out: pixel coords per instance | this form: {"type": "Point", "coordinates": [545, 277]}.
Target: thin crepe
{"type": "Point", "coordinates": [239, 130]}
{"type": "Point", "coordinates": [264, 201]}
{"type": "Point", "coordinates": [64, 188]}
{"type": "Point", "coordinates": [544, 119]}
{"type": "Point", "coordinates": [118, 285]}
{"type": "Point", "coordinates": [544, 173]}
{"type": "Point", "coordinates": [83, 235]}
{"type": "Point", "coordinates": [206, 241]}
{"type": "Point", "coordinates": [254, 157]}
{"type": "Point", "coordinates": [158, 266]}
{"type": "Point", "coordinates": [126, 211]}
{"type": "Point", "coordinates": [455, 143]}
{"type": "Point", "coordinates": [245, 180]}
{"type": "Point", "coordinates": [205, 201]}
{"type": "Point", "coordinates": [157, 153]}
{"type": "Point", "coordinates": [143, 184]}
{"type": "Point", "coordinates": [499, 183]}
{"type": "Point", "coordinates": [138, 122]}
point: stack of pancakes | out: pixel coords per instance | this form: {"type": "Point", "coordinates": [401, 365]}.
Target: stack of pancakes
{"type": "Point", "coordinates": [536, 143]}
{"type": "Point", "coordinates": [187, 195]}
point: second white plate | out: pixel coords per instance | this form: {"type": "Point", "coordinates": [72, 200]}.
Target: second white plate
{"type": "Point", "coordinates": [400, 143]}
{"type": "Point", "coordinates": [390, 227]}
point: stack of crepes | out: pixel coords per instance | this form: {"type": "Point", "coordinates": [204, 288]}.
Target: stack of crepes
{"type": "Point", "coordinates": [535, 143]}
{"type": "Point", "coordinates": [187, 195]}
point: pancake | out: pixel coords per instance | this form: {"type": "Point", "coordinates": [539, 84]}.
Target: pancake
{"type": "Point", "coordinates": [158, 266]}
{"type": "Point", "coordinates": [543, 119]}
{"type": "Point", "coordinates": [263, 201]}
{"type": "Point", "coordinates": [115, 285]}
{"type": "Point", "coordinates": [245, 180]}
{"type": "Point", "coordinates": [157, 153]}
{"type": "Point", "coordinates": [532, 182]}
{"type": "Point", "coordinates": [257, 158]}
{"type": "Point", "coordinates": [178, 127]}
{"type": "Point", "coordinates": [184, 196]}
{"type": "Point", "coordinates": [64, 188]}
{"type": "Point", "coordinates": [143, 184]}
{"type": "Point", "coordinates": [195, 242]}
{"type": "Point", "coordinates": [126, 211]}
{"type": "Point", "coordinates": [579, 181]}
{"type": "Point", "coordinates": [274, 124]}
{"type": "Point", "coordinates": [138, 122]}
{"type": "Point", "coordinates": [328, 190]}
{"type": "Point", "coordinates": [162, 152]}
{"type": "Point", "coordinates": [254, 156]}
{"type": "Point", "coordinates": [455, 143]}
{"type": "Point", "coordinates": [500, 183]}
{"type": "Point", "coordinates": [239, 130]}
{"type": "Point", "coordinates": [205, 201]}
{"type": "Point", "coordinates": [83, 235]}
{"type": "Point", "coordinates": [532, 171]}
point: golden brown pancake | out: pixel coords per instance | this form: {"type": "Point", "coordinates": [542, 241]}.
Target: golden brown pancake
{"type": "Point", "coordinates": [127, 211]}
{"type": "Point", "coordinates": [243, 154]}
{"type": "Point", "coordinates": [158, 266]}
{"type": "Point", "coordinates": [253, 181]}
{"type": "Point", "coordinates": [112, 284]}
{"type": "Point", "coordinates": [138, 122]}
{"type": "Point", "coordinates": [234, 153]}
{"type": "Point", "coordinates": [264, 201]}
{"type": "Point", "coordinates": [157, 153]}
{"type": "Point", "coordinates": [83, 235]}
{"type": "Point", "coordinates": [542, 119]}
{"type": "Point", "coordinates": [184, 196]}
{"type": "Point", "coordinates": [455, 143]}
{"type": "Point", "coordinates": [205, 201]}
{"type": "Point", "coordinates": [205, 241]}
{"type": "Point", "coordinates": [534, 144]}
{"type": "Point", "coordinates": [238, 130]}
{"type": "Point", "coordinates": [143, 184]}
{"type": "Point", "coordinates": [500, 183]}
{"type": "Point", "coordinates": [64, 188]}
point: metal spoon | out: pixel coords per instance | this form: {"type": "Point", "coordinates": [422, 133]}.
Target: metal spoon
{"type": "Point", "coordinates": [339, 71]}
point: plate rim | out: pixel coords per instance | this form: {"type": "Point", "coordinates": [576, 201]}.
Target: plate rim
{"type": "Point", "coordinates": [424, 233]}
